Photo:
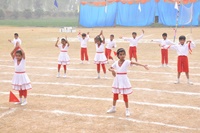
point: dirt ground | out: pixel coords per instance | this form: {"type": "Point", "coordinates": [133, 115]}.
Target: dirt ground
{"type": "Point", "coordinates": [78, 103]}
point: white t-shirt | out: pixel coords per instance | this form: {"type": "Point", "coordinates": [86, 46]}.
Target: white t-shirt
{"type": "Point", "coordinates": [14, 42]}
{"type": "Point", "coordinates": [110, 44]}
{"type": "Point", "coordinates": [83, 41]}
{"type": "Point", "coordinates": [133, 41]}
{"type": "Point", "coordinates": [182, 49]}
{"type": "Point", "coordinates": [164, 43]}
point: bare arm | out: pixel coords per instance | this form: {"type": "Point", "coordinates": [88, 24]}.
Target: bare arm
{"type": "Point", "coordinates": [56, 44]}
{"type": "Point", "coordinates": [111, 69]}
{"type": "Point", "coordinates": [138, 64]}
{"type": "Point", "coordinates": [192, 44]}
{"type": "Point", "coordinates": [67, 41]}
{"type": "Point", "coordinates": [23, 53]}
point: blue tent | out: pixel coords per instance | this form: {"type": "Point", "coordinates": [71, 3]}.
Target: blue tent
{"type": "Point", "coordinates": [129, 14]}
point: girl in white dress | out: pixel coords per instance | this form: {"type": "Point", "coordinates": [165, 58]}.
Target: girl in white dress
{"type": "Point", "coordinates": [63, 58]}
{"type": "Point", "coordinates": [20, 81]}
{"type": "Point", "coordinates": [121, 84]}
{"type": "Point", "coordinates": [100, 58]}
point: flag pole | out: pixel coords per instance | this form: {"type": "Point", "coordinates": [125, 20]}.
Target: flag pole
{"type": "Point", "coordinates": [177, 18]}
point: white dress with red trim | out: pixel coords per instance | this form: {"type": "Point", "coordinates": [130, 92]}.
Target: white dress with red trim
{"type": "Point", "coordinates": [100, 57]}
{"type": "Point", "coordinates": [63, 57]}
{"type": "Point", "coordinates": [20, 79]}
{"type": "Point", "coordinates": [121, 84]}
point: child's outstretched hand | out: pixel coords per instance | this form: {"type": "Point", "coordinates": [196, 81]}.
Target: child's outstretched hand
{"type": "Point", "coordinates": [58, 38]}
{"type": "Point", "coordinates": [120, 37]}
{"type": "Point", "coordinates": [88, 33]}
{"type": "Point", "coordinates": [146, 67]}
{"type": "Point", "coordinates": [188, 41]}
{"type": "Point", "coordinates": [142, 31]}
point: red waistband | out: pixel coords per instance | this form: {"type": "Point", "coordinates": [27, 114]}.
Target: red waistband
{"type": "Point", "coordinates": [19, 72]}
{"type": "Point", "coordinates": [121, 73]}
{"type": "Point", "coordinates": [182, 56]}
{"type": "Point", "coordinates": [63, 51]}
{"type": "Point", "coordinates": [99, 52]}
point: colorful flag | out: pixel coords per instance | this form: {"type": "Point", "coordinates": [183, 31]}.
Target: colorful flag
{"type": "Point", "coordinates": [176, 6]}
{"type": "Point", "coordinates": [139, 7]}
{"type": "Point", "coordinates": [56, 3]}
{"type": "Point", "coordinates": [13, 98]}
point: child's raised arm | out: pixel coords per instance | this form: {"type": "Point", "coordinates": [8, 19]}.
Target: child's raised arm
{"type": "Point", "coordinates": [103, 37]}
{"type": "Point", "coordinates": [67, 41]}
{"type": "Point", "coordinates": [23, 53]}
{"type": "Point", "coordinates": [138, 64]}
{"type": "Point", "coordinates": [56, 44]}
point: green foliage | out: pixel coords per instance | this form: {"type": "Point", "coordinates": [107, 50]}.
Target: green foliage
{"type": "Point", "coordinates": [39, 13]}
{"type": "Point", "coordinates": [27, 14]}
{"type": "Point", "coordinates": [48, 22]}
{"type": "Point", "coordinates": [2, 14]}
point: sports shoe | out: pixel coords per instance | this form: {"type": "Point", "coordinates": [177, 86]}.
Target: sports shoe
{"type": "Point", "coordinates": [64, 76]}
{"type": "Point", "coordinates": [128, 113]}
{"type": "Point", "coordinates": [111, 110]}
{"type": "Point", "coordinates": [58, 75]}
{"type": "Point", "coordinates": [16, 103]}
{"type": "Point", "coordinates": [24, 103]}
{"type": "Point", "coordinates": [177, 82]}
{"type": "Point", "coordinates": [190, 83]}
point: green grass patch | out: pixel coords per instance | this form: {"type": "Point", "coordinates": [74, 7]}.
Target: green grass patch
{"type": "Point", "coordinates": [47, 22]}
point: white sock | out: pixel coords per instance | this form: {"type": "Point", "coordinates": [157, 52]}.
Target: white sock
{"type": "Point", "coordinates": [24, 99]}
{"type": "Point", "coordinates": [126, 109]}
{"type": "Point", "coordinates": [178, 80]}
{"type": "Point", "coordinates": [20, 100]}
{"type": "Point", "coordinates": [114, 107]}
{"type": "Point", "coordinates": [188, 80]}
{"type": "Point", "coordinates": [98, 74]}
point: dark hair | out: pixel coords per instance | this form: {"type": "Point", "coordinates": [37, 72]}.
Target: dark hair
{"type": "Point", "coordinates": [63, 39]}
{"type": "Point", "coordinates": [182, 38]}
{"type": "Point", "coordinates": [120, 50]}
{"type": "Point", "coordinates": [19, 52]}
{"type": "Point", "coordinates": [112, 35]}
{"type": "Point", "coordinates": [83, 35]}
{"type": "Point", "coordinates": [16, 34]}
{"type": "Point", "coordinates": [164, 34]}
{"type": "Point", "coordinates": [134, 33]}
{"type": "Point", "coordinates": [98, 38]}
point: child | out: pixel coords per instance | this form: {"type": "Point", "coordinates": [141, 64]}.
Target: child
{"type": "Point", "coordinates": [16, 41]}
{"type": "Point", "coordinates": [84, 40]}
{"type": "Point", "coordinates": [182, 50]}
{"type": "Point", "coordinates": [20, 81]}
{"type": "Point", "coordinates": [164, 51]}
{"type": "Point", "coordinates": [63, 58]}
{"type": "Point", "coordinates": [100, 58]}
{"type": "Point", "coordinates": [133, 44]}
{"type": "Point", "coordinates": [121, 84]}
{"type": "Point", "coordinates": [110, 44]}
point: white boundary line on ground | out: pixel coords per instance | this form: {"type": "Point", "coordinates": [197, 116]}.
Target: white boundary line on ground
{"type": "Point", "coordinates": [90, 77]}
{"type": "Point", "coordinates": [104, 86]}
{"type": "Point", "coordinates": [10, 111]}
{"type": "Point", "coordinates": [54, 59]}
{"type": "Point", "coordinates": [60, 112]}
{"type": "Point", "coordinates": [94, 70]}
{"type": "Point", "coordinates": [78, 63]}
{"type": "Point", "coordinates": [110, 99]}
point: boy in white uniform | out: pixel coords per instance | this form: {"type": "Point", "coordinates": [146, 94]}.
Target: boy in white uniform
{"type": "Point", "coordinates": [84, 40]}
{"type": "Point", "coordinates": [133, 44]}
{"type": "Point", "coordinates": [16, 40]}
{"type": "Point", "coordinates": [110, 45]}
{"type": "Point", "coordinates": [164, 51]}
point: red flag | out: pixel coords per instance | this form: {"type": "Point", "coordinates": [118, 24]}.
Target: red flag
{"type": "Point", "coordinates": [13, 98]}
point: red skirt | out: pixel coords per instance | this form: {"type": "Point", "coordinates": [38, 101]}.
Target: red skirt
{"type": "Point", "coordinates": [183, 64]}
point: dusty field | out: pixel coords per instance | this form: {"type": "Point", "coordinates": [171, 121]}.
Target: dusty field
{"type": "Point", "coordinates": [78, 104]}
